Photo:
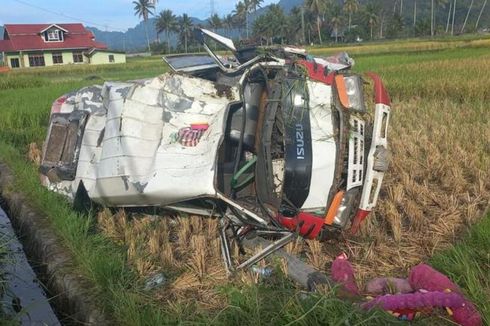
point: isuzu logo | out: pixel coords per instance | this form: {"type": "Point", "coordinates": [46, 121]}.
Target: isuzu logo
{"type": "Point", "coordinates": [300, 142]}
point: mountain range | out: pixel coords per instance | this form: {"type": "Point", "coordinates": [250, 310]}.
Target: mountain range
{"type": "Point", "coordinates": [134, 39]}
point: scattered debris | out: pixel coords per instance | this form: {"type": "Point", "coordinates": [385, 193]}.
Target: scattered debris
{"type": "Point", "coordinates": [155, 281]}
{"type": "Point", "coordinates": [424, 290]}
{"type": "Point", "coordinates": [262, 271]}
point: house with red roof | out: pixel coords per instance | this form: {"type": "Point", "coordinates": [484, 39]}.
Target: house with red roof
{"type": "Point", "coordinates": [39, 45]}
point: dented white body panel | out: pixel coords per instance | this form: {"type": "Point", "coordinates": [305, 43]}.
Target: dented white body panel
{"type": "Point", "coordinates": [129, 155]}
{"type": "Point", "coordinates": [275, 137]}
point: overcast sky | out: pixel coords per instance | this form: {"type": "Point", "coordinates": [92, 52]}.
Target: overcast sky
{"type": "Point", "coordinates": [110, 14]}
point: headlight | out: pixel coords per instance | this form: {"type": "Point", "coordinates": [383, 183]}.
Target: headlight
{"type": "Point", "coordinates": [351, 92]}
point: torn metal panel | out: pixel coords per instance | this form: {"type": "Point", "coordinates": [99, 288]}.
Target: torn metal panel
{"type": "Point", "coordinates": [272, 141]}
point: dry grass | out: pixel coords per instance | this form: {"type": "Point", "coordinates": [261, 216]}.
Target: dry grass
{"type": "Point", "coordinates": [438, 185]}
{"type": "Point", "coordinates": [185, 249]}
{"type": "Point", "coordinates": [403, 46]}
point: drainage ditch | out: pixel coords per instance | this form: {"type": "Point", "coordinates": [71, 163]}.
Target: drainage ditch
{"type": "Point", "coordinates": [72, 296]}
{"type": "Point", "coordinates": [24, 299]}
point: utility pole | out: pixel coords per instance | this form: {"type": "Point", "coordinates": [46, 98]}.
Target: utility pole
{"type": "Point", "coordinates": [212, 8]}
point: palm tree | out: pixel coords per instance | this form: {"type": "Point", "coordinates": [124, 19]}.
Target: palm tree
{"type": "Point", "coordinates": [248, 7]}
{"type": "Point", "coordinates": [215, 22]}
{"type": "Point", "coordinates": [228, 23]}
{"type": "Point", "coordinates": [371, 14]}
{"type": "Point", "coordinates": [294, 29]}
{"type": "Point", "coordinates": [278, 21]}
{"type": "Point", "coordinates": [143, 9]}
{"type": "Point", "coordinates": [351, 6]}
{"type": "Point", "coordinates": [479, 16]}
{"type": "Point", "coordinates": [432, 18]}
{"type": "Point", "coordinates": [240, 13]}
{"type": "Point", "coordinates": [336, 21]}
{"type": "Point", "coordinates": [167, 22]}
{"type": "Point", "coordinates": [318, 8]}
{"type": "Point", "coordinates": [185, 29]}
{"type": "Point", "coordinates": [438, 3]}
{"type": "Point", "coordinates": [414, 12]}
{"type": "Point", "coordinates": [454, 14]}
{"type": "Point", "coordinates": [467, 15]}
{"type": "Point", "coordinates": [449, 16]}
{"type": "Point", "coordinates": [255, 4]}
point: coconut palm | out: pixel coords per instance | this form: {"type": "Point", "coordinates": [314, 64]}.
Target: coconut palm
{"type": "Point", "coordinates": [240, 13]}
{"type": "Point", "coordinates": [454, 14]}
{"type": "Point", "coordinates": [467, 15]}
{"type": "Point", "coordinates": [350, 7]}
{"type": "Point", "coordinates": [317, 7]}
{"type": "Point", "coordinates": [449, 16]}
{"type": "Point", "coordinates": [279, 22]}
{"type": "Point", "coordinates": [228, 23]}
{"type": "Point", "coordinates": [414, 12]}
{"type": "Point", "coordinates": [433, 4]}
{"type": "Point", "coordinates": [166, 22]}
{"type": "Point", "coordinates": [479, 16]}
{"type": "Point", "coordinates": [248, 7]}
{"type": "Point", "coordinates": [336, 21]}
{"type": "Point", "coordinates": [371, 16]}
{"type": "Point", "coordinates": [255, 4]}
{"type": "Point", "coordinates": [185, 25]}
{"type": "Point", "coordinates": [143, 9]}
{"type": "Point", "coordinates": [215, 22]}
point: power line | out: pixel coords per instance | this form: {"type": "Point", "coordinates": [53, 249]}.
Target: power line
{"type": "Point", "coordinates": [68, 16]}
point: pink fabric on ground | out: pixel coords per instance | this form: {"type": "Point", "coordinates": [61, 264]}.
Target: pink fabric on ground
{"type": "Point", "coordinates": [385, 285]}
{"type": "Point", "coordinates": [343, 274]}
{"type": "Point", "coordinates": [425, 277]}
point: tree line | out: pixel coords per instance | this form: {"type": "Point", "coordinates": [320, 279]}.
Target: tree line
{"type": "Point", "coordinates": [319, 21]}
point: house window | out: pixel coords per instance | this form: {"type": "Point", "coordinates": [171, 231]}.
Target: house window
{"type": "Point", "coordinates": [36, 60]}
{"type": "Point", "coordinates": [78, 57]}
{"type": "Point", "coordinates": [14, 63]}
{"type": "Point", "coordinates": [111, 58]}
{"type": "Point", "coordinates": [53, 35]}
{"type": "Point", "coordinates": [57, 58]}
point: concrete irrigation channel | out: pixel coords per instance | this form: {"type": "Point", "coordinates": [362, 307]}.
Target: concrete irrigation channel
{"type": "Point", "coordinates": [71, 294]}
{"type": "Point", "coordinates": [23, 299]}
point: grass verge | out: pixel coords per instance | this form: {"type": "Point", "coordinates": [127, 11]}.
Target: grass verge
{"type": "Point", "coordinates": [440, 114]}
{"type": "Point", "coordinates": [468, 264]}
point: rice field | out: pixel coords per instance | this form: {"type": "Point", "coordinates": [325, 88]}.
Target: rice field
{"type": "Point", "coordinates": [437, 189]}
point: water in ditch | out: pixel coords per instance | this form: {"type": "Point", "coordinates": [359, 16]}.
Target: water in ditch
{"type": "Point", "coordinates": [23, 298]}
